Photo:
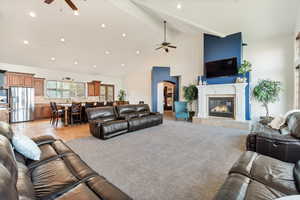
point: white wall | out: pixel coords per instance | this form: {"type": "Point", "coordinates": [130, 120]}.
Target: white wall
{"type": "Point", "coordinates": [58, 75]}
{"type": "Point", "coordinates": [272, 58]}
{"type": "Point", "coordinates": [186, 61]}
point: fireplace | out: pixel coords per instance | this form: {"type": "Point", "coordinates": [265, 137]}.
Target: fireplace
{"type": "Point", "coordinates": [221, 107]}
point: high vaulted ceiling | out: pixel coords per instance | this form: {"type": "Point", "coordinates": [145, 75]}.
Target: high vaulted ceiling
{"type": "Point", "coordinates": [141, 20]}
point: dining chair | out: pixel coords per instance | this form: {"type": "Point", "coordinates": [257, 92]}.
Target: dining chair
{"type": "Point", "coordinates": [181, 111]}
{"type": "Point", "coordinates": [56, 114]}
{"type": "Point", "coordinates": [76, 113]}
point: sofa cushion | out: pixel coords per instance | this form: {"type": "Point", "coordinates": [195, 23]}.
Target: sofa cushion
{"type": "Point", "coordinates": [294, 124]}
{"type": "Point", "coordinates": [268, 171]}
{"type": "Point", "coordinates": [296, 172]}
{"type": "Point", "coordinates": [7, 158]}
{"type": "Point", "coordinates": [8, 188]}
{"type": "Point", "coordinates": [5, 130]}
{"type": "Point", "coordinates": [142, 108]}
{"type": "Point", "coordinates": [114, 127]}
{"type": "Point", "coordinates": [24, 184]}
{"type": "Point", "coordinates": [138, 123]}
{"type": "Point", "coordinates": [238, 187]}
{"type": "Point", "coordinates": [103, 113]}
{"type": "Point", "coordinates": [125, 110]}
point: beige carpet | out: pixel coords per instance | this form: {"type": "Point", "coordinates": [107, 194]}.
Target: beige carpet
{"type": "Point", "coordinates": [174, 161]}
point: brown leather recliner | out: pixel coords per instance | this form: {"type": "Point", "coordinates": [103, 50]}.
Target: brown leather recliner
{"type": "Point", "coordinates": [108, 122]}
{"type": "Point", "coordinates": [60, 174]}
{"type": "Point", "coordinates": [283, 144]}
{"type": "Point", "coordinates": [258, 177]}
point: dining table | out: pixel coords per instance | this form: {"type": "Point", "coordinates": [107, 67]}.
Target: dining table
{"type": "Point", "coordinates": [67, 108]}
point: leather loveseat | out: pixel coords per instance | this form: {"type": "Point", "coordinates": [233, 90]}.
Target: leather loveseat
{"type": "Point", "coordinates": [283, 144]}
{"type": "Point", "coordinates": [108, 122]}
{"type": "Point", "coordinates": [258, 177]}
{"type": "Point", "coordinates": [60, 174]}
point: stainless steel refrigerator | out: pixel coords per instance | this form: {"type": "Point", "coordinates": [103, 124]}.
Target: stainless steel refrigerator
{"type": "Point", "coordinates": [21, 103]}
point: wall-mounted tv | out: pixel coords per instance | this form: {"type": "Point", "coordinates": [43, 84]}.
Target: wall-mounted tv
{"type": "Point", "coordinates": [218, 68]}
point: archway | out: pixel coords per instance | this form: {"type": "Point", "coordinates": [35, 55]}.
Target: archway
{"type": "Point", "coordinates": [162, 74]}
{"type": "Point", "coordinates": [166, 96]}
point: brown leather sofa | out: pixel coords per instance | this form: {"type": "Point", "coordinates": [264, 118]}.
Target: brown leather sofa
{"type": "Point", "coordinates": [60, 174]}
{"type": "Point", "coordinates": [283, 144]}
{"type": "Point", "coordinates": [108, 122]}
{"type": "Point", "coordinates": [258, 177]}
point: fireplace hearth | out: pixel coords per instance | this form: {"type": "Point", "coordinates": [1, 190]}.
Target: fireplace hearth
{"type": "Point", "coordinates": [221, 107]}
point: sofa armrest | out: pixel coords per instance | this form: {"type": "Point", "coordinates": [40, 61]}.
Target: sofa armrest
{"type": "Point", "coordinates": [96, 123]}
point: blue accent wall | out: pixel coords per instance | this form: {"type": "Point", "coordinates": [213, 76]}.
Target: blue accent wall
{"type": "Point", "coordinates": [216, 48]}
{"type": "Point", "coordinates": [158, 75]}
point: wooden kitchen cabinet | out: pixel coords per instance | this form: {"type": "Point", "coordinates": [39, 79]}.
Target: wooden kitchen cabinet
{"type": "Point", "coordinates": [15, 79]}
{"type": "Point", "coordinates": [42, 111]}
{"type": "Point", "coordinates": [39, 86]}
{"type": "Point", "coordinates": [94, 88]}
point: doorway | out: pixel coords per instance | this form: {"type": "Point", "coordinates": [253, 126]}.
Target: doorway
{"type": "Point", "coordinates": [166, 91]}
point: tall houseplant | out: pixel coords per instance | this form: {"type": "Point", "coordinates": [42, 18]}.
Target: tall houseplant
{"type": "Point", "coordinates": [266, 92]}
{"type": "Point", "coordinates": [122, 95]}
{"type": "Point", "coordinates": [190, 94]}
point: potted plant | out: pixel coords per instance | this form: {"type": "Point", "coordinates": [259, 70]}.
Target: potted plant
{"type": "Point", "coordinates": [190, 94]}
{"type": "Point", "coordinates": [122, 95]}
{"type": "Point", "coordinates": [266, 92]}
{"type": "Point", "coordinates": [244, 69]}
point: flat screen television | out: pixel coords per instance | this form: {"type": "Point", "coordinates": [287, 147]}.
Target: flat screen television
{"type": "Point", "coordinates": [218, 68]}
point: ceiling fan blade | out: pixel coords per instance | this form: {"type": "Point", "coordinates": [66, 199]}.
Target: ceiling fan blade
{"type": "Point", "coordinates": [174, 47]}
{"type": "Point", "coordinates": [48, 1]}
{"type": "Point", "coordinates": [158, 48]}
{"type": "Point", "coordinates": [71, 4]}
{"type": "Point", "coordinates": [167, 50]}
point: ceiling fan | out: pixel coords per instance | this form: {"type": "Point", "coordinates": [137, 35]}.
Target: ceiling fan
{"type": "Point", "coordinates": [69, 2]}
{"type": "Point", "coordinates": [165, 45]}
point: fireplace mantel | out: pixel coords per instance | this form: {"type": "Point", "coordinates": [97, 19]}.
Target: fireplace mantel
{"type": "Point", "coordinates": [222, 90]}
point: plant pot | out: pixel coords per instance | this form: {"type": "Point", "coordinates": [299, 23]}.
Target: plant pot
{"type": "Point", "coordinates": [265, 120]}
{"type": "Point", "coordinates": [191, 114]}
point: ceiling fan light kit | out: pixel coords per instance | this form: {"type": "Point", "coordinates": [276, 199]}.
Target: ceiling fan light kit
{"type": "Point", "coordinates": [166, 45]}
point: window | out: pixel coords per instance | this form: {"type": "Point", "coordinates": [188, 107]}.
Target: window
{"type": "Point", "coordinates": [64, 89]}
{"type": "Point", "coordinates": [107, 92]}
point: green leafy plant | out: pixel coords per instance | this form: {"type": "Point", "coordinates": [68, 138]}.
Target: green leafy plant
{"type": "Point", "coordinates": [122, 95]}
{"type": "Point", "coordinates": [267, 91]}
{"type": "Point", "coordinates": [190, 93]}
{"type": "Point", "coordinates": [245, 67]}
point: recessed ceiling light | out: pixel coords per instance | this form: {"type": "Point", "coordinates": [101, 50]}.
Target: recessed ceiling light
{"type": "Point", "coordinates": [138, 52]}
{"type": "Point", "coordinates": [107, 52]}
{"type": "Point", "coordinates": [179, 6]}
{"type": "Point", "coordinates": [123, 65]}
{"type": "Point", "coordinates": [53, 59]}
{"type": "Point", "coordinates": [76, 13]}
{"type": "Point", "coordinates": [25, 42]}
{"type": "Point", "coordinates": [124, 35]}
{"type": "Point", "coordinates": [103, 25]}
{"type": "Point", "coordinates": [62, 39]}
{"type": "Point", "coordinates": [76, 63]}
{"type": "Point", "coordinates": [94, 66]}
{"type": "Point", "coordinates": [32, 14]}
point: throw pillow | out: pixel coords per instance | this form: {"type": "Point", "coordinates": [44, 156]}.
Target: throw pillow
{"type": "Point", "coordinates": [277, 122]}
{"type": "Point", "coordinates": [26, 146]}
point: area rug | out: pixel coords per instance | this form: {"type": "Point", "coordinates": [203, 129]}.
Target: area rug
{"type": "Point", "coordinates": [174, 161]}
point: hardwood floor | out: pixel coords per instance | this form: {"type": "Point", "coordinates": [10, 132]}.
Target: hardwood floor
{"type": "Point", "coordinates": [43, 127]}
